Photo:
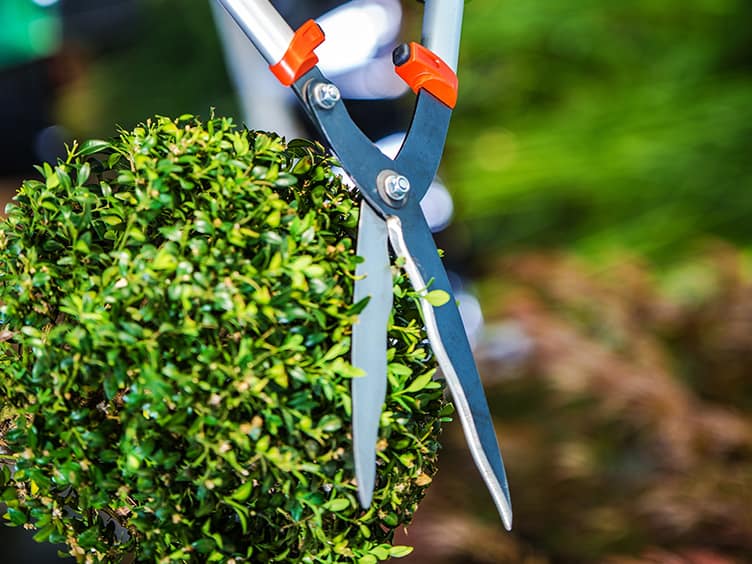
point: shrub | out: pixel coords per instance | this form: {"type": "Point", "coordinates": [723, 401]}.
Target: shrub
{"type": "Point", "coordinates": [174, 344]}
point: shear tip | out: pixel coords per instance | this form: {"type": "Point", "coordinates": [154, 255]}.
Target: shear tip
{"type": "Point", "coordinates": [505, 512]}
{"type": "Point", "coordinates": [365, 498]}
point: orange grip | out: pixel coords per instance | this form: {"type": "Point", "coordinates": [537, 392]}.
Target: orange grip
{"type": "Point", "coordinates": [299, 57]}
{"type": "Point", "coordinates": [421, 68]}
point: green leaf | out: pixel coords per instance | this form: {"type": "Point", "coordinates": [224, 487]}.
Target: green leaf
{"type": "Point", "coordinates": [391, 519]}
{"type": "Point", "coordinates": [381, 551]}
{"type": "Point", "coordinates": [165, 260]}
{"type": "Point", "coordinates": [278, 373]}
{"type": "Point", "coordinates": [83, 174]}
{"type": "Point", "coordinates": [330, 423]}
{"type": "Point", "coordinates": [52, 181]}
{"type": "Point", "coordinates": [437, 298]}
{"type": "Point", "coordinates": [15, 516]}
{"type": "Point", "coordinates": [420, 382]}
{"type": "Point", "coordinates": [203, 546]}
{"type": "Point", "coordinates": [243, 492]}
{"type": "Point", "coordinates": [132, 462]}
{"type": "Point", "coordinates": [273, 219]}
{"type": "Point", "coordinates": [400, 551]}
{"type": "Point", "coordinates": [92, 146]}
{"type": "Point", "coordinates": [337, 504]}
{"type": "Point", "coordinates": [44, 534]}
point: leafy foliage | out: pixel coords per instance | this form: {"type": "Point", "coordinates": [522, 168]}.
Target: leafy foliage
{"type": "Point", "coordinates": [174, 335]}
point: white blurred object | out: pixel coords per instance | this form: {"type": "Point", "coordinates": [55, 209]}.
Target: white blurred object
{"type": "Point", "coordinates": [504, 342]}
{"type": "Point", "coordinates": [356, 32]}
{"type": "Point", "coordinates": [472, 316]}
{"type": "Point", "coordinates": [357, 53]}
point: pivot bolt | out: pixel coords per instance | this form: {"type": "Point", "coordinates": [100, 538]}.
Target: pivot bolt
{"type": "Point", "coordinates": [326, 95]}
{"type": "Point", "coordinates": [393, 188]}
{"type": "Point", "coordinates": [397, 186]}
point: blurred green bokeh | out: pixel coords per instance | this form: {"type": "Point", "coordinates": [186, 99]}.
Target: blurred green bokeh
{"type": "Point", "coordinates": [599, 124]}
{"type": "Point", "coordinates": [30, 30]}
{"type": "Point", "coordinates": [173, 64]}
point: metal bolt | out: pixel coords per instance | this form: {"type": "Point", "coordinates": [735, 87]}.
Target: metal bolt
{"type": "Point", "coordinates": [393, 188]}
{"type": "Point", "coordinates": [326, 95]}
{"type": "Point", "coordinates": [396, 187]}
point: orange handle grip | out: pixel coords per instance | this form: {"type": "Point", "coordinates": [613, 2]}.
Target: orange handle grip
{"type": "Point", "coordinates": [299, 57]}
{"type": "Point", "coordinates": [422, 69]}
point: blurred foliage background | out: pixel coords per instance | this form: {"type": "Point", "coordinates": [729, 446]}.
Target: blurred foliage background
{"type": "Point", "coordinates": [600, 158]}
{"type": "Point", "coordinates": [605, 124]}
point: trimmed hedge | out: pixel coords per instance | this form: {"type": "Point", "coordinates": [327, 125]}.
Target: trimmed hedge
{"type": "Point", "coordinates": [174, 356]}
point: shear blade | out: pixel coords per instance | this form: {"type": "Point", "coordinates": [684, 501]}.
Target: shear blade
{"type": "Point", "coordinates": [369, 346]}
{"type": "Point", "coordinates": [449, 342]}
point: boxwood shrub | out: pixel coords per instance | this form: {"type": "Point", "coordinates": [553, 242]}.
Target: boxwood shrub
{"type": "Point", "coordinates": [175, 315]}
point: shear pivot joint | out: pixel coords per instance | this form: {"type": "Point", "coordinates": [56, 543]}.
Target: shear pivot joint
{"type": "Point", "coordinates": [325, 95]}
{"type": "Point", "coordinates": [393, 188]}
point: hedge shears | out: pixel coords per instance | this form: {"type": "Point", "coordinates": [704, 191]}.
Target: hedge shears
{"type": "Point", "coordinates": [391, 215]}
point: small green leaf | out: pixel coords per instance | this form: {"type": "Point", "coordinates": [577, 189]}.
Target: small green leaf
{"type": "Point", "coordinates": [330, 423]}
{"type": "Point", "coordinates": [132, 462]}
{"type": "Point", "coordinates": [44, 534]}
{"type": "Point", "coordinates": [296, 510]}
{"type": "Point", "coordinates": [400, 551]}
{"type": "Point", "coordinates": [91, 147]}
{"type": "Point", "coordinates": [15, 516]}
{"type": "Point", "coordinates": [273, 219]}
{"type": "Point", "coordinates": [337, 504]}
{"type": "Point", "coordinates": [391, 519]}
{"type": "Point", "coordinates": [52, 181]}
{"type": "Point", "coordinates": [381, 552]}
{"type": "Point", "coordinates": [243, 492]}
{"type": "Point", "coordinates": [83, 174]}
{"type": "Point", "coordinates": [278, 373]}
{"type": "Point", "coordinates": [204, 545]}
{"type": "Point", "coordinates": [420, 382]}
{"type": "Point", "coordinates": [165, 261]}
{"type": "Point", "coordinates": [400, 369]}
{"type": "Point", "coordinates": [437, 298]}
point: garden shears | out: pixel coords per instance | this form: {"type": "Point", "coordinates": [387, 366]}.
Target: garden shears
{"type": "Point", "coordinates": [391, 215]}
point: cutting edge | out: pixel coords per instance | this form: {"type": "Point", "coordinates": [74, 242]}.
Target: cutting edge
{"type": "Point", "coordinates": [374, 280]}
{"type": "Point", "coordinates": [503, 504]}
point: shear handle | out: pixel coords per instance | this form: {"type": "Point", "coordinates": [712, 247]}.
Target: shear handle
{"type": "Point", "coordinates": [264, 26]}
{"type": "Point", "coordinates": [442, 28]}
{"type": "Point", "coordinates": [272, 36]}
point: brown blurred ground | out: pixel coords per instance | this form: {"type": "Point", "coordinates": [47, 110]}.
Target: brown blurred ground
{"type": "Point", "coordinates": [627, 429]}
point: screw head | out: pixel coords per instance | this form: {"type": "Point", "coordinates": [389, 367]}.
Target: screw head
{"type": "Point", "coordinates": [393, 188]}
{"type": "Point", "coordinates": [326, 95]}
{"type": "Point", "coordinates": [397, 187]}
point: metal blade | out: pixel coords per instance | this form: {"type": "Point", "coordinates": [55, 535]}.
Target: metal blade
{"type": "Point", "coordinates": [369, 346]}
{"type": "Point", "coordinates": [446, 333]}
